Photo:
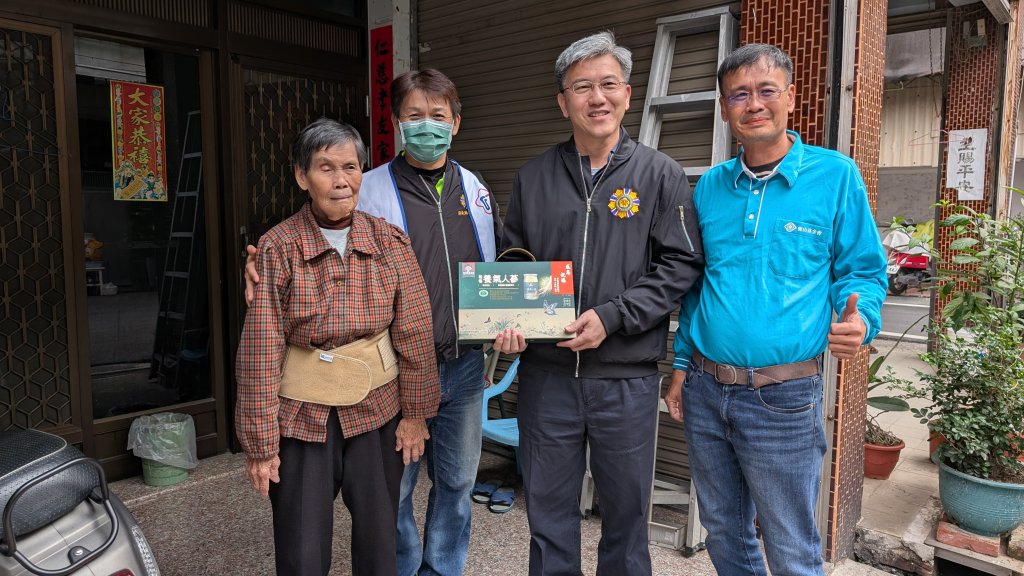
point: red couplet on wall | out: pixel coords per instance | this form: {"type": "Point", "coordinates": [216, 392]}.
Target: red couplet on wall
{"type": "Point", "coordinates": [382, 136]}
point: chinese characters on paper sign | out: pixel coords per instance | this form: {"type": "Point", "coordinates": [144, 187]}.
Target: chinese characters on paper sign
{"type": "Point", "coordinates": [965, 164]}
{"type": "Point", "coordinates": [137, 126]}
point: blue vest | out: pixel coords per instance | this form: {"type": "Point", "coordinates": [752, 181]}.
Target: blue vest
{"type": "Point", "coordinates": [379, 196]}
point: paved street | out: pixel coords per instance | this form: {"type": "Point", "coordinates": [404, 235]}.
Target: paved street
{"type": "Point", "coordinates": [900, 312]}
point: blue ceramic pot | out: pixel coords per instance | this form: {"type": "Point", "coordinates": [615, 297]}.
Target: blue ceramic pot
{"type": "Point", "coordinates": [980, 506]}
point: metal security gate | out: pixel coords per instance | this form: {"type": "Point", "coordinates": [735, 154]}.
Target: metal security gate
{"type": "Point", "coordinates": [503, 58]}
{"type": "Point", "coordinates": [36, 262]}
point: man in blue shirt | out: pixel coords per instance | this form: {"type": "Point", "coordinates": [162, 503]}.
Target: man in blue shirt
{"type": "Point", "coordinates": [788, 239]}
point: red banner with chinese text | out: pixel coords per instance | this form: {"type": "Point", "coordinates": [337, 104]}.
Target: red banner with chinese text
{"type": "Point", "coordinates": [382, 135]}
{"type": "Point", "coordinates": [137, 126]}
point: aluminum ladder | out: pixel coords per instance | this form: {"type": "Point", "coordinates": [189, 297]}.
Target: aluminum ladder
{"type": "Point", "coordinates": [660, 102]}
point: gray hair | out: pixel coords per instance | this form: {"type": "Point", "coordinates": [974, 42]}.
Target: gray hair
{"type": "Point", "coordinates": [599, 44]}
{"type": "Point", "coordinates": [324, 133]}
{"type": "Point", "coordinates": [751, 54]}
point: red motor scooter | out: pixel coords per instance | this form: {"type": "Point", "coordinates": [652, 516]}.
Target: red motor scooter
{"type": "Point", "coordinates": [906, 266]}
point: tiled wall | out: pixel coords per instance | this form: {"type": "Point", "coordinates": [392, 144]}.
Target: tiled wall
{"type": "Point", "coordinates": [802, 28]}
{"type": "Point", "coordinates": [868, 92]}
{"type": "Point", "coordinates": [972, 100]}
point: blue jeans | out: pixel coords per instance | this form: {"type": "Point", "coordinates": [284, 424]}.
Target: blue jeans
{"type": "Point", "coordinates": [452, 457]}
{"type": "Point", "coordinates": [757, 453]}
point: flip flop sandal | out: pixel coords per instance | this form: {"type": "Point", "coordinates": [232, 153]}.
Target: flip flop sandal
{"type": "Point", "coordinates": [502, 500]}
{"type": "Point", "coordinates": [482, 490]}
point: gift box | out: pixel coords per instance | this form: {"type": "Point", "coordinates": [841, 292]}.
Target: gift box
{"type": "Point", "coordinates": [535, 298]}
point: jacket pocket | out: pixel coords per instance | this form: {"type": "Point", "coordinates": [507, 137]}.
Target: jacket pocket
{"type": "Point", "coordinates": [798, 249]}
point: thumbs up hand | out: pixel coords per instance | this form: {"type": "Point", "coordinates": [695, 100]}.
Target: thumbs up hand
{"type": "Point", "coordinates": [847, 335]}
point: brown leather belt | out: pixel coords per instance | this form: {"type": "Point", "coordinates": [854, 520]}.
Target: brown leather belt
{"type": "Point", "coordinates": [726, 374]}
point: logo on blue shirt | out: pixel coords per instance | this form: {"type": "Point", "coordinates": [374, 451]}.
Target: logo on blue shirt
{"type": "Point", "coordinates": [793, 227]}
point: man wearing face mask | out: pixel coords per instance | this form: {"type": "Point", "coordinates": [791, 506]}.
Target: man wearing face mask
{"type": "Point", "coordinates": [451, 218]}
{"type": "Point", "coordinates": [448, 213]}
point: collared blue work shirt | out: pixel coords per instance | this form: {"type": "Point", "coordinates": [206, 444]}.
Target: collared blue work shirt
{"type": "Point", "coordinates": [782, 253]}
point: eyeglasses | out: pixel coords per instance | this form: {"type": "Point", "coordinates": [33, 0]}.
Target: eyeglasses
{"type": "Point", "coordinates": [764, 95]}
{"type": "Point", "coordinates": [583, 87]}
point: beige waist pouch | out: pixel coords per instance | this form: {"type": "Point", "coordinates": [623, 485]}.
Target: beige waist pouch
{"type": "Point", "coordinates": [342, 376]}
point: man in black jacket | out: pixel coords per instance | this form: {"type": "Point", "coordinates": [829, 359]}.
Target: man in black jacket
{"type": "Point", "coordinates": [623, 214]}
{"type": "Point", "coordinates": [449, 215]}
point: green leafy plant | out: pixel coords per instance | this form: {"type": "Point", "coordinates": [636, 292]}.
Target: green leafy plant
{"type": "Point", "coordinates": [992, 289]}
{"type": "Point", "coordinates": [977, 390]}
{"type": "Point", "coordinates": [874, 433]}
{"type": "Point", "coordinates": [918, 235]}
{"type": "Point", "coordinates": [975, 385]}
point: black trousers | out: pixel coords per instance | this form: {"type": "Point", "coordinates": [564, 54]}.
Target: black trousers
{"type": "Point", "coordinates": [368, 473]}
{"type": "Point", "coordinates": [558, 417]}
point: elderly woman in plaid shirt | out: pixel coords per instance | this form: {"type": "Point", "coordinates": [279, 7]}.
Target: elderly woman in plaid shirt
{"type": "Point", "coordinates": [334, 277]}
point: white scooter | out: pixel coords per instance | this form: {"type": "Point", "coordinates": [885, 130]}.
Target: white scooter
{"type": "Point", "coordinates": [59, 517]}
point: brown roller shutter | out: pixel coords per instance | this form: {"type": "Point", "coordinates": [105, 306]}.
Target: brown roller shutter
{"type": "Point", "coordinates": [501, 56]}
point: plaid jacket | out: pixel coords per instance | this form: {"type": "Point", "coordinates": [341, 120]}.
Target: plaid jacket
{"type": "Point", "coordinates": [311, 296]}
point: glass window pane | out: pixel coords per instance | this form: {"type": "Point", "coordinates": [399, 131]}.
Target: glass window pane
{"type": "Point", "coordinates": [146, 270]}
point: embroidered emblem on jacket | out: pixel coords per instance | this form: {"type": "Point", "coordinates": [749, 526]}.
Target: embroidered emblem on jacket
{"type": "Point", "coordinates": [483, 200]}
{"type": "Point", "coordinates": [624, 203]}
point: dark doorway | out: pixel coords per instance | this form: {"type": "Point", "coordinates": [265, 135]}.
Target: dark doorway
{"type": "Point", "coordinates": [145, 268]}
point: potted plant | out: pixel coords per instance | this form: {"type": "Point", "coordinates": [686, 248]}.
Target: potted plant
{"type": "Point", "coordinates": [976, 379]}
{"type": "Point", "coordinates": [881, 447]}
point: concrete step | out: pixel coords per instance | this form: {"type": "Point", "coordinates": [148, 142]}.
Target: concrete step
{"type": "Point", "coordinates": [906, 552]}
{"type": "Point", "coordinates": [848, 567]}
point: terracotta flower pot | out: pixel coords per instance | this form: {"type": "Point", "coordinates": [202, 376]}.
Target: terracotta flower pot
{"type": "Point", "coordinates": [934, 441]}
{"type": "Point", "coordinates": [879, 461]}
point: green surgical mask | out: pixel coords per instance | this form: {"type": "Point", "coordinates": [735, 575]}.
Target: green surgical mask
{"type": "Point", "coordinates": [426, 140]}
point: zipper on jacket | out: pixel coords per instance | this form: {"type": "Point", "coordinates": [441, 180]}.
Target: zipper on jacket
{"type": "Point", "coordinates": [447, 259]}
{"type": "Point", "coordinates": [682, 220]}
{"type": "Point", "coordinates": [586, 229]}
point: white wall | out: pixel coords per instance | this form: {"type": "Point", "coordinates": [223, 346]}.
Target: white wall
{"type": "Point", "coordinates": [911, 117]}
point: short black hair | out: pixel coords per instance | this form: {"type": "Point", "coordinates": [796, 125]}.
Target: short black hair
{"type": "Point", "coordinates": [751, 54]}
{"type": "Point", "coordinates": [432, 82]}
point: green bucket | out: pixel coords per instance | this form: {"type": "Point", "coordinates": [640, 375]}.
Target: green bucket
{"type": "Point", "coordinates": [158, 474]}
